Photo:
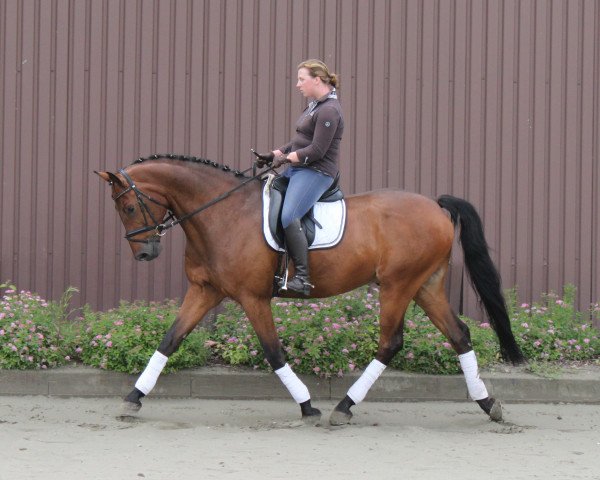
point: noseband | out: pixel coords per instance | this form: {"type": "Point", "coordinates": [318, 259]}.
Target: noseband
{"type": "Point", "coordinates": [158, 227]}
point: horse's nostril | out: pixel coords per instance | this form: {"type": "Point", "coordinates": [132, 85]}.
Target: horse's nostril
{"type": "Point", "coordinates": [142, 257]}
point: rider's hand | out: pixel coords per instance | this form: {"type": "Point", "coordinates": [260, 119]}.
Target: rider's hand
{"type": "Point", "coordinates": [263, 159]}
{"type": "Point", "coordinates": [279, 161]}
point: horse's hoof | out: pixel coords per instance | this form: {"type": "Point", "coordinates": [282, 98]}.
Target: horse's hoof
{"type": "Point", "coordinates": [311, 415]}
{"type": "Point", "coordinates": [338, 418]}
{"type": "Point", "coordinates": [130, 408]}
{"type": "Point", "coordinates": [312, 419]}
{"type": "Point", "coordinates": [496, 411]}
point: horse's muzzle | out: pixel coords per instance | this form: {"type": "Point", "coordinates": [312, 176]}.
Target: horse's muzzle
{"type": "Point", "coordinates": [148, 251]}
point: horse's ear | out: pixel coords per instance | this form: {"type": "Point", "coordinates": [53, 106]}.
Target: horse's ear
{"type": "Point", "coordinates": [110, 178]}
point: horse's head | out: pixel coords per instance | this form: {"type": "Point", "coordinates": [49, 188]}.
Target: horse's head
{"type": "Point", "coordinates": [141, 214]}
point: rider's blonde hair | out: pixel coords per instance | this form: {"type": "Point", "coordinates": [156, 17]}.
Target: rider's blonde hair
{"type": "Point", "coordinates": [316, 68]}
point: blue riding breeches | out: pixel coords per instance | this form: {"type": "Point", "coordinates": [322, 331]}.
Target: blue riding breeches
{"type": "Point", "coordinates": [305, 188]}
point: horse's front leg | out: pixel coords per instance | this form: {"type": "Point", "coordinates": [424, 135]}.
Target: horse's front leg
{"type": "Point", "coordinates": [260, 315]}
{"type": "Point", "coordinates": [198, 300]}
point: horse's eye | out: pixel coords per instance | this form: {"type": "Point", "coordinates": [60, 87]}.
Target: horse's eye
{"type": "Point", "coordinates": [129, 209]}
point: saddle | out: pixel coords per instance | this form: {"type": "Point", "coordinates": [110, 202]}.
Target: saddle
{"type": "Point", "coordinates": [323, 224]}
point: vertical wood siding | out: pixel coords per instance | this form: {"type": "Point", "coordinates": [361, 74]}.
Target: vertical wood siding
{"type": "Point", "coordinates": [494, 101]}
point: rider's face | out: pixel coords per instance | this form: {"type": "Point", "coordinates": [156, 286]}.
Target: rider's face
{"type": "Point", "coordinates": [307, 84]}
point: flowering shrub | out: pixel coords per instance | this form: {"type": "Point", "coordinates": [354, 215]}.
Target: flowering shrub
{"type": "Point", "coordinates": [327, 337]}
{"type": "Point", "coordinates": [335, 336]}
{"type": "Point", "coordinates": [124, 339]}
{"type": "Point", "coordinates": [554, 330]}
{"type": "Point", "coordinates": [33, 333]}
{"type": "Point", "coordinates": [324, 338]}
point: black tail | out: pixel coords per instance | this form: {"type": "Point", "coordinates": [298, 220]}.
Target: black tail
{"type": "Point", "coordinates": [483, 273]}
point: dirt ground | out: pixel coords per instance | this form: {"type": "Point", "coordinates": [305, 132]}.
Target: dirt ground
{"type": "Point", "coordinates": [82, 438]}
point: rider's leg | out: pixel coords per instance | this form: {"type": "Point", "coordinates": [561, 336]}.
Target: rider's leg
{"type": "Point", "coordinates": [305, 188]}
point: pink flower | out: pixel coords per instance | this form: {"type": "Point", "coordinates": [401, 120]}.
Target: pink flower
{"type": "Point", "coordinates": [447, 345]}
{"type": "Point", "coordinates": [484, 325]}
{"type": "Point", "coordinates": [524, 305]}
{"type": "Point", "coordinates": [351, 366]}
{"type": "Point", "coordinates": [586, 340]}
{"type": "Point", "coordinates": [537, 343]}
{"type": "Point", "coordinates": [525, 325]}
{"type": "Point", "coordinates": [316, 369]}
{"type": "Point", "coordinates": [410, 355]}
{"type": "Point", "coordinates": [108, 344]}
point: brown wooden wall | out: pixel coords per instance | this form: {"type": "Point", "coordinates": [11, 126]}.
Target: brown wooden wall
{"type": "Point", "coordinates": [494, 101]}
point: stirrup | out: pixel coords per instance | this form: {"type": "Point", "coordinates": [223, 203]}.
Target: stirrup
{"type": "Point", "coordinates": [306, 286]}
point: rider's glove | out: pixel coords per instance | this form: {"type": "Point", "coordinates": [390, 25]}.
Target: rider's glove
{"type": "Point", "coordinates": [279, 161]}
{"type": "Point", "coordinates": [263, 159]}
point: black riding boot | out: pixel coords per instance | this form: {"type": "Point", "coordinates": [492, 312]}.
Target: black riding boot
{"type": "Point", "coordinates": [297, 247]}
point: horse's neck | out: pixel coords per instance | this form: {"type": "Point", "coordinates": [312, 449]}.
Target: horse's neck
{"type": "Point", "coordinates": [191, 189]}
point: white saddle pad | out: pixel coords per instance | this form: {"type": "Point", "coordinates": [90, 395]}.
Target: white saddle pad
{"type": "Point", "coordinates": [331, 216]}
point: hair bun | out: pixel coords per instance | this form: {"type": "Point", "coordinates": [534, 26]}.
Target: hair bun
{"type": "Point", "coordinates": [334, 80]}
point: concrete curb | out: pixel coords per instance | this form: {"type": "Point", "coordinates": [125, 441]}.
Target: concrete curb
{"type": "Point", "coordinates": [572, 386]}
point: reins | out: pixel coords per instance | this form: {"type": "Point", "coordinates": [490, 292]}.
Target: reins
{"type": "Point", "coordinates": [161, 228]}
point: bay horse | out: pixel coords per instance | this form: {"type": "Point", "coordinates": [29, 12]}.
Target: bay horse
{"type": "Point", "coordinates": [401, 241]}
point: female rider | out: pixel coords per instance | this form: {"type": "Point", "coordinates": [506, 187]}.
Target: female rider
{"type": "Point", "coordinates": [313, 156]}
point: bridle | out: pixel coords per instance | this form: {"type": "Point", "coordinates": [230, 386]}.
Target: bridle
{"type": "Point", "coordinates": [158, 227]}
{"type": "Point", "coordinates": [169, 221]}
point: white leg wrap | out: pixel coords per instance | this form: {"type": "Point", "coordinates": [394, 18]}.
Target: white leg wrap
{"type": "Point", "coordinates": [293, 383]}
{"type": "Point", "coordinates": [149, 376]}
{"type": "Point", "coordinates": [359, 390]}
{"type": "Point", "coordinates": [475, 386]}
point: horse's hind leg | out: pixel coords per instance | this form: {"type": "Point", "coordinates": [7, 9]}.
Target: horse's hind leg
{"type": "Point", "coordinates": [432, 298]}
{"type": "Point", "coordinates": [197, 302]}
{"type": "Point", "coordinates": [394, 301]}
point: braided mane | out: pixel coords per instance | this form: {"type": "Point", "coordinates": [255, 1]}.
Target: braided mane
{"type": "Point", "coordinates": [189, 158]}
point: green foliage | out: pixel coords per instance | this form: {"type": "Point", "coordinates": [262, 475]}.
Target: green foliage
{"type": "Point", "coordinates": [125, 338]}
{"type": "Point", "coordinates": [336, 336]}
{"type": "Point", "coordinates": [553, 330]}
{"type": "Point", "coordinates": [33, 332]}
{"type": "Point", "coordinates": [328, 337]}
